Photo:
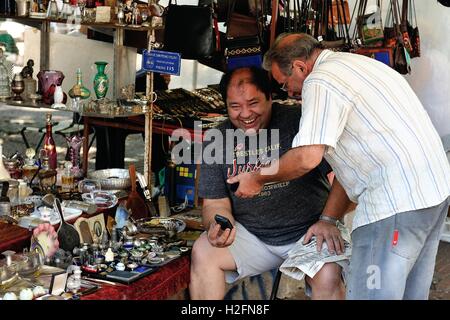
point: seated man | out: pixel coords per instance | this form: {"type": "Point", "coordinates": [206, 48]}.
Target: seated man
{"type": "Point", "coordinates": [267, 226]}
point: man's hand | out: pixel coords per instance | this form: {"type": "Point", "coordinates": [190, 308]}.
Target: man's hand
{"type": "Point", "coordinates": [220, 238]}
{"type": "Point", "coordinates": [328, 232]}
{"type": "Point", "coordinates": [249, 185]}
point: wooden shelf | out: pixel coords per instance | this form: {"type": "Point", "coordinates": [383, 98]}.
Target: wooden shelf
{"type": "Point", "coordinates": [111, 25]}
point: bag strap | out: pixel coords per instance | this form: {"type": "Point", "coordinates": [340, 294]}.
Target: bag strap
{"type": "Point", "coordinates": [273, 22]}
{"type": "Point", "coordinates": [404, 16]}
{"type": "Point", "coordinates": [412, 9]}
{"type": "Point", "coordinates": [342, 21]}
{"type": "Point", "coordinates": [389, 19]}
{"type": "Point", "coordinates": [396, 19]}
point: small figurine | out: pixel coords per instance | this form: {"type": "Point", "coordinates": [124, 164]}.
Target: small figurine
{"type": "Point", "coordinates": [34, 6]}
{"type": "Point", "coordinates": [120, 15]}
{"type": "Point", "coordinates": [128, 11]}
{"type": "Point", "coordinates": [134, 14]}
{"type": "Point", "coordinates": [27, 71]}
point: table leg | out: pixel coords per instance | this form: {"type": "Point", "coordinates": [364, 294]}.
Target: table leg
{"type": "Point", "coordinates": [85, 145]}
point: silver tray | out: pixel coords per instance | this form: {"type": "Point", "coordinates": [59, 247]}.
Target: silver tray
{"type": "Point", "coordinates": [112, 179]}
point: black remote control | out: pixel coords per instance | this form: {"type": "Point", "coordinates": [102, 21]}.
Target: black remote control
{"type": "Point", "coordinates": [223, 221]}
{"type": "Point", "coordinates": [234, 186]}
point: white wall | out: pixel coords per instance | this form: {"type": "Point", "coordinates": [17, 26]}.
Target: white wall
{"type": "Point", "coordinates": [430, 75]}
{"type": "Point", "coordinates": [68, 53]}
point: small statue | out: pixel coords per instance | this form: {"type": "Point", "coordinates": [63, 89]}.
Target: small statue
{"type": "Point", "coordinates": [120, 15]}
{"type": "Point", "coordinates": [128, 11]}
{"type": "Point", "coordinates": [134, 14]}
{"type": "Point", "coordinates": [27, 71]}
{"type": "Point", "coordinates": [34, 6]}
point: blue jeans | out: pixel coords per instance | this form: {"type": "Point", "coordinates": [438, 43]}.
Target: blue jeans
{"type": "Point", "coordinates": [394, 258]}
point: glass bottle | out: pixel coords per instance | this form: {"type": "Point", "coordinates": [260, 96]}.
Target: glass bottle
{"type": "Point", "coordinates": [30, 168]}
{"type": "Point", "coordinates": [49, 143]}
{"type": "Point", "coordinates": [4, 174]}
{"type": "Point", "coordinates": [67, 178]}
{"type": "Point", "coordinates": [78, 90]}
{"type": "Point", "coordinates": [52, 10]}
{"type": "Point", "coordinates": [47, 176]}
{"type": "Point", "coordinates": [22, 192]}
{"type": "Point", "coordinates": [5, 81]}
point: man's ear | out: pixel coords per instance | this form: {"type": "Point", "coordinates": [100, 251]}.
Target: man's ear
{"type": "Point", "coordinates": [300, 65]}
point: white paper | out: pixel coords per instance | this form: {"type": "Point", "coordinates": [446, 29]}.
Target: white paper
{"type": "Point", "coordinates": [305, 259]}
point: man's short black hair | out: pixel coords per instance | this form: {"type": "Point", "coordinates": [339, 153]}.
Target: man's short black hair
{"type": "Point", "coordinates": [259, 78]}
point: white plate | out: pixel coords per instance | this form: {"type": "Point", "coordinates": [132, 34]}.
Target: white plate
{"type": "Point", "coordinates": [34, 219]}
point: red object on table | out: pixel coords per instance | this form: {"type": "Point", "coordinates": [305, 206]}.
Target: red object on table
{"type": "Point", "coordinates": [168, 281]}
{"type": "Point", "coordinates": [13, 237]}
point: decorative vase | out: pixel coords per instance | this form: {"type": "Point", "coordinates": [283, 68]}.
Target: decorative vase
{"type": "Point", "coordinates": [47, 82]}
{"type": "Point", "coordinates": [78, 90]}
{"type": "Point", "coordinates": [74, 143]}
{"type": "Point", "coordinates": [101, 81]}
{"type": "Point", "coordinates": [17, 86]}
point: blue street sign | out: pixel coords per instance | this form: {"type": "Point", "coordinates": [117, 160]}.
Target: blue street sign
{"type": "Point", "coordinates": [162, 62]}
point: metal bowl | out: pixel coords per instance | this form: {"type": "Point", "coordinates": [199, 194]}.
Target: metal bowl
{"type": "Point", "coordinates": [112, 179]}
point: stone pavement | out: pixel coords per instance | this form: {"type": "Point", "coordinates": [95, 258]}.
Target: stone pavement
{"type": "Point", "coordinates": [12, 119]}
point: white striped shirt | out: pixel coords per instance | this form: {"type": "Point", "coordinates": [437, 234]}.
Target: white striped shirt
{"type": "Point", "coordinates": [380, 141]}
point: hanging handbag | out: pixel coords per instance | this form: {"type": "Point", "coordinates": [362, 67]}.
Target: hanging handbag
{"type": "Point", "coordinates": [404, 26]}
{"type": "Point", "coordinates": [390, 38]}
{"type": "Point", "coordinates": [382, 54]}
{"type": "Point", "coordinates": [189, 30]}
{"type": "Point", "coordinates": [370, 26]}
{"type": "Point", "coordinates": [243, 45]}
{"type": "Point", "coordinates": [332, 31]}
{"type": "Point", "coordinates": [413, 30]}
{"type": "Point", "coordinates": [402, 60]}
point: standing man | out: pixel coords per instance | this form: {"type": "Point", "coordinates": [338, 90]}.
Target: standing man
{"type": "Point", "coordinates": [267, 227]}
{"type": "Point", "coordinates": [367, 122]}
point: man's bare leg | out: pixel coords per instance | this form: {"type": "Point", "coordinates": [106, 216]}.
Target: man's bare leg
{"type": "Point", "coordinates": [327, 284]}
{"type": "Point", "coordinates": [208, 265]}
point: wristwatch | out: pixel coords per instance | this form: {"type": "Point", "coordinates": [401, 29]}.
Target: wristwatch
{"type": "Point", "coordinates": [329, 219]}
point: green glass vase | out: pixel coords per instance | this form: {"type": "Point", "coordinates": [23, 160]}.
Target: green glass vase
{"type": "Point", "coordinates": [101, 81]}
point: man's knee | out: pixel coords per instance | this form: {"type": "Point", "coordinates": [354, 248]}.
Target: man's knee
{"type": "Point", "coordinates": [328, 279]}
{"type": "Point", "coordinates": [201, 251]}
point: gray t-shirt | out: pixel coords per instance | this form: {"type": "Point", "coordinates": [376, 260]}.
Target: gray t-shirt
{"type": "Point", "coordinates": [283, 211]}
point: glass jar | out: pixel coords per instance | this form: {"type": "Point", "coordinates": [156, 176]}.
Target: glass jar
{"type": "Point", "coordinates": [22, 191]}
{"type": "Point", "coordinates": [67, 178]}
{"type": "Point", "coordinates": [13, 167]}
{"type": "Point", "coordinates": [13, 190]}
{"type": "Point", "coordinates": [29, 169]}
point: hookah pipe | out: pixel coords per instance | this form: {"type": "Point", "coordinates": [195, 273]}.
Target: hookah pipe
{"type": "Point", "coordinates": [37, 171]}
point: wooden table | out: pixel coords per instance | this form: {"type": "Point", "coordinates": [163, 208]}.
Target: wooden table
{"type": "Point", "coordinates": [169, 282]}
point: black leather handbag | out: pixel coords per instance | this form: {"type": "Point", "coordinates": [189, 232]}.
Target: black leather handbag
{"type": "Point", "coordinates": [189, 30]}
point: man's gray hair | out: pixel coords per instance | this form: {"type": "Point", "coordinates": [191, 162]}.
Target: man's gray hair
{"type": "Point", "coordinates": [301, 47]}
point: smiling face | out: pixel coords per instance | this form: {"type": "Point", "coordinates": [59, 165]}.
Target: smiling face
{"type": "Point", "coordinates": [248, 107]}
